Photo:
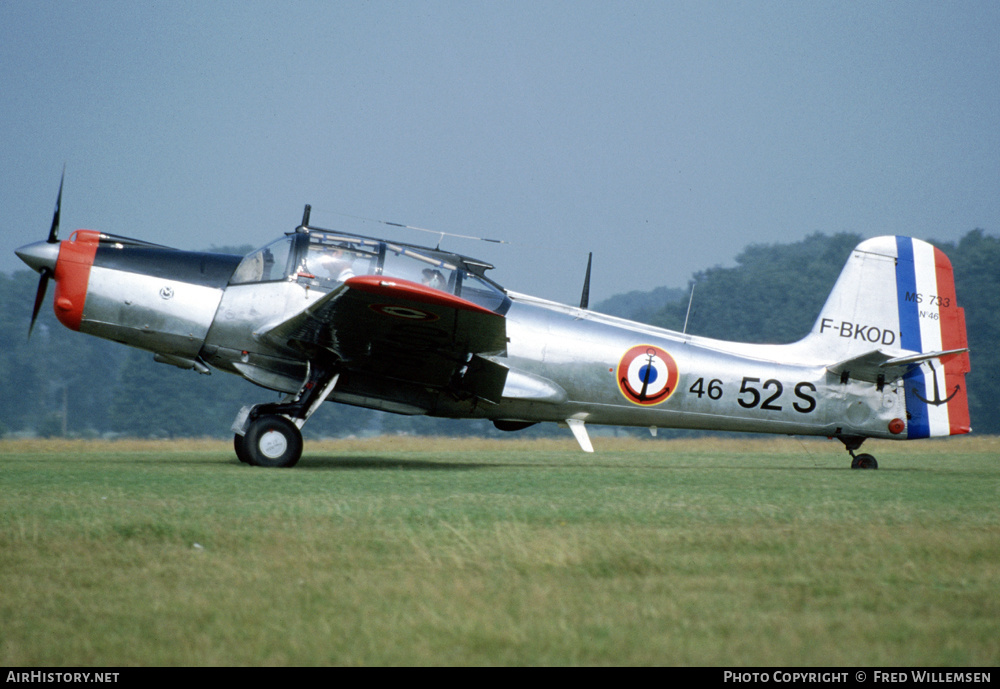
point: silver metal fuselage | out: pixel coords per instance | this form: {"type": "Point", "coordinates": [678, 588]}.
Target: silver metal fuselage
{"type": "Point", "coordinates": [720, 385]}
{"type": "Point", "coordinates": [561, 363]}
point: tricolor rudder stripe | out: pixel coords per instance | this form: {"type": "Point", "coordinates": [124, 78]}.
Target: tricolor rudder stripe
{"type": "Point", "coordinates": [930, 320]}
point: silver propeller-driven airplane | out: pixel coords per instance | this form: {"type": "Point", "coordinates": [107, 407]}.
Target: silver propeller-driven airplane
{"type": "Point", "coordinates": [324, 315]}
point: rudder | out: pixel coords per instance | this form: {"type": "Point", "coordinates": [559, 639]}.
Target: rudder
{"type": "Point", "coordinates": [931, 320]}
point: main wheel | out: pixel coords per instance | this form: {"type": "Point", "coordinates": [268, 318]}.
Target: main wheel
{"type": "Point", "coordinates": [864, 461]}
{"type": "Point", "coordinates": [272, 441]}
{"type": "Point", "coordinates": [240, 445]}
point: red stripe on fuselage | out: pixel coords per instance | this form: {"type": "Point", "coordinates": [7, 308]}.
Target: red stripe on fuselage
{"type": "Point", "coordinates": [72, 275]}
{"type": "Point", "coordinates": [953, 336]}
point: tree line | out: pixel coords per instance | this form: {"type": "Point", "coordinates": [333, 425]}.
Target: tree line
{"type": "Point", "coordinates": [64, 383]}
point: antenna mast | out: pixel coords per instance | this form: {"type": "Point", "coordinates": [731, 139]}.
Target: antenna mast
{"type": "Point", "coordinates": [690, 299]}
{"type": "Point", "coordinates": [585, 297]}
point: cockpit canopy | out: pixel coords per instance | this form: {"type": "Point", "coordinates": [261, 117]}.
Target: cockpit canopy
{"type": "Point", "coordinates": [323, 260]}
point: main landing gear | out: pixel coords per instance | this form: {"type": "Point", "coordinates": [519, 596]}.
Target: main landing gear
{"type": "Point", "coordinates": [862, 461]}
{"type": "Point", "coordinates": [270, 441]}
{"type": "Point", "coordinates": [270, 435]}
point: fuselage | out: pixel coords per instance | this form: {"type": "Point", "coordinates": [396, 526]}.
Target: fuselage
{"type": "Point", "coordinates": [696, 382]}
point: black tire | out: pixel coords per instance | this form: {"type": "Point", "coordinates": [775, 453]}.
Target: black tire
{"type": "Point", "coordinates": [240, 445]}
{"type": "Point", "coordinates": [864, 461]}
{"type": "Point", "coordinates": [272, 441]}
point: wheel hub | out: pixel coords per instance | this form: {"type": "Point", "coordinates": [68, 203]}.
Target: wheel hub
{"type": "Point", "coordinates": [272, 444]}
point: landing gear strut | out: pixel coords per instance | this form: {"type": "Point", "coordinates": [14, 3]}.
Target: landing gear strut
{"type": "Point", "coordinates": [270, 435]}
{"type": "Point", "coordinates": [862, 461]}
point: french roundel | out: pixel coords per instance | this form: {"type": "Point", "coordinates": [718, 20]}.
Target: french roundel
{"type": "Point", "coordinates": [647, 375]}
{"type": "Point", "coordinates": [405, 313]}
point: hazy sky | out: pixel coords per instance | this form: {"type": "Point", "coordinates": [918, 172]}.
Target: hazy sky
{"type": "Point", "coordinates": [662, 136]}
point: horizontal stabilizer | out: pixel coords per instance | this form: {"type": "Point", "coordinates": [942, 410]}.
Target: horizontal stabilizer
{"type": "Point", "coordinates": [871, 365]}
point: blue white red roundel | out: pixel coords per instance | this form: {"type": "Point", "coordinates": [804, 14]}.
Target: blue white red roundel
{"type": "Point", "coordinates": [405, 313]}
{"type": "Point", "coordinates": [646, 375]}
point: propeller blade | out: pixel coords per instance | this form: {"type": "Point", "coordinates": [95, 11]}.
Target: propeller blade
{"type": "Point", "coordinates": [54, 231]}
{"type": "Point", "coordinates": [43, 258]}
{"type": "Point", "coordinates": [43, 285]}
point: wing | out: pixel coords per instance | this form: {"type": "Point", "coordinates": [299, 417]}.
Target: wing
{"type": "Point", "coordinates": [402, 330]}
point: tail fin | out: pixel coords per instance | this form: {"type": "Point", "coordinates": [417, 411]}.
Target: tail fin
{"type": "Point", "coordinates": [893, 312]}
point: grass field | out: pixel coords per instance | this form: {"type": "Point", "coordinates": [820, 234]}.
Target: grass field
{"type": "Point", "coordinates": [409, 551]}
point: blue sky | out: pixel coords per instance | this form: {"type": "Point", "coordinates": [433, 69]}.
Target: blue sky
{"type": "Point", "coordinates": [663, 136]}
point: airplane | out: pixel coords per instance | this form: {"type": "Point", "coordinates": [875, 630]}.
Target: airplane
{"type": "Point", "coordinates": [322, 315]}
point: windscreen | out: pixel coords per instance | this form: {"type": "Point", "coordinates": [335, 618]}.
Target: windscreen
{"type": "Point", "coordinates": [266, 264]}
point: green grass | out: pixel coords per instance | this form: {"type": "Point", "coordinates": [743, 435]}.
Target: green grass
{"type": "Point", "coordinates": [403, 551]}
